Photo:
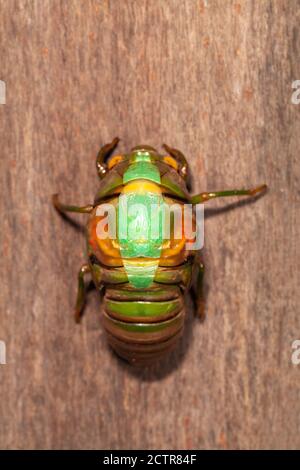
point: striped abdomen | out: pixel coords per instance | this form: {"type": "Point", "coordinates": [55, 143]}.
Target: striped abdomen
{"type": "Point", "coordinates": [143, 325]}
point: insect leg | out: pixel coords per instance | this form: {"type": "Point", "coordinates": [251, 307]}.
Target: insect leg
{"type": "Point", "coordinates": [85, 269]}
{"type": "Point", "coordinates": [180, 159]}
{"type": "Point", "coordinates": [203, 197]}
{"type": "Point", "coordinates": [198, 290]}
{"type": "Point", "coordinates": [104, 152]}
{"type": "Point", "coordinates": [64, 208]}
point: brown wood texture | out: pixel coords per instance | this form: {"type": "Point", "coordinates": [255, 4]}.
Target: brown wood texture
{"type": "Point", "coordinates": [214, 79]}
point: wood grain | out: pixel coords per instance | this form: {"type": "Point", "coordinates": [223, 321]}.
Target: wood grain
{"type": "Point", "coordinates": [214, 79]}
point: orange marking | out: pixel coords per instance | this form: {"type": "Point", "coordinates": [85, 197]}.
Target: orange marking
{"type": "Point", "coordinates": [171, 162]}
{"type": "Point", "coordinates": [114, 161]}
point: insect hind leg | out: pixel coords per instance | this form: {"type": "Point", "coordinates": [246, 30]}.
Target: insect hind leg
{"type": "Point", "coordinates": [81, 293]}
{"type": "Point", "coordinates": [197, 290]}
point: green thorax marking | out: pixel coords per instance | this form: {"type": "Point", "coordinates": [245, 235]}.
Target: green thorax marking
{"type": "Point", "coordinates": [141, 167]}
{"type": "Point", "coordinates": [140, 222]}
{"type": "Point", "coordinates": [140, 276]}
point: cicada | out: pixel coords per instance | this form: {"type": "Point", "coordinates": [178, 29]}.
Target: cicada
{"type": "Point", "coordinates": [136, 256]}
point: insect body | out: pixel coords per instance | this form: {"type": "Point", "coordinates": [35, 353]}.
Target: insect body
{"type": "Point", "coordinates": [142, 273]}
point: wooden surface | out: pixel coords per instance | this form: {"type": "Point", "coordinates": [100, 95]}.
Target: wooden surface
{"type": "Point", "coordinates": [213, 78]}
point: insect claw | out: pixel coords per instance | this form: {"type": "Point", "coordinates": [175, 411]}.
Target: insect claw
{"type": "Point", "coordinates": [259, 189]}
{"type": "Point", "coordinates": [77, 317]}
{"type": "Point", "coordinates": [55, 201]}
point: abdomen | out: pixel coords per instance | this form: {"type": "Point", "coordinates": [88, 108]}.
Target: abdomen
{"type": "Point", "coordinates": [142, 326]}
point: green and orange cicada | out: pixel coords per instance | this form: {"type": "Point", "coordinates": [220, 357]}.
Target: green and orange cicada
{"type": "Point", "coordinates": [141, 268]}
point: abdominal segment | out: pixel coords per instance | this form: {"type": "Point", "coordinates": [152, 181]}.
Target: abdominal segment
{"type": "Point", "coordinates": [143, 328]}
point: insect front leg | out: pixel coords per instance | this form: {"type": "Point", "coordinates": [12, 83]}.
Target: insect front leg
{"type": "Point", "coordinates": [175, 153]}
{"type": "Point", "coordinates": [81, 293]}
{"type": "Point", "coordinates": [65, 208]}
{"type": "Point", "coordinates": [103, 154]}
